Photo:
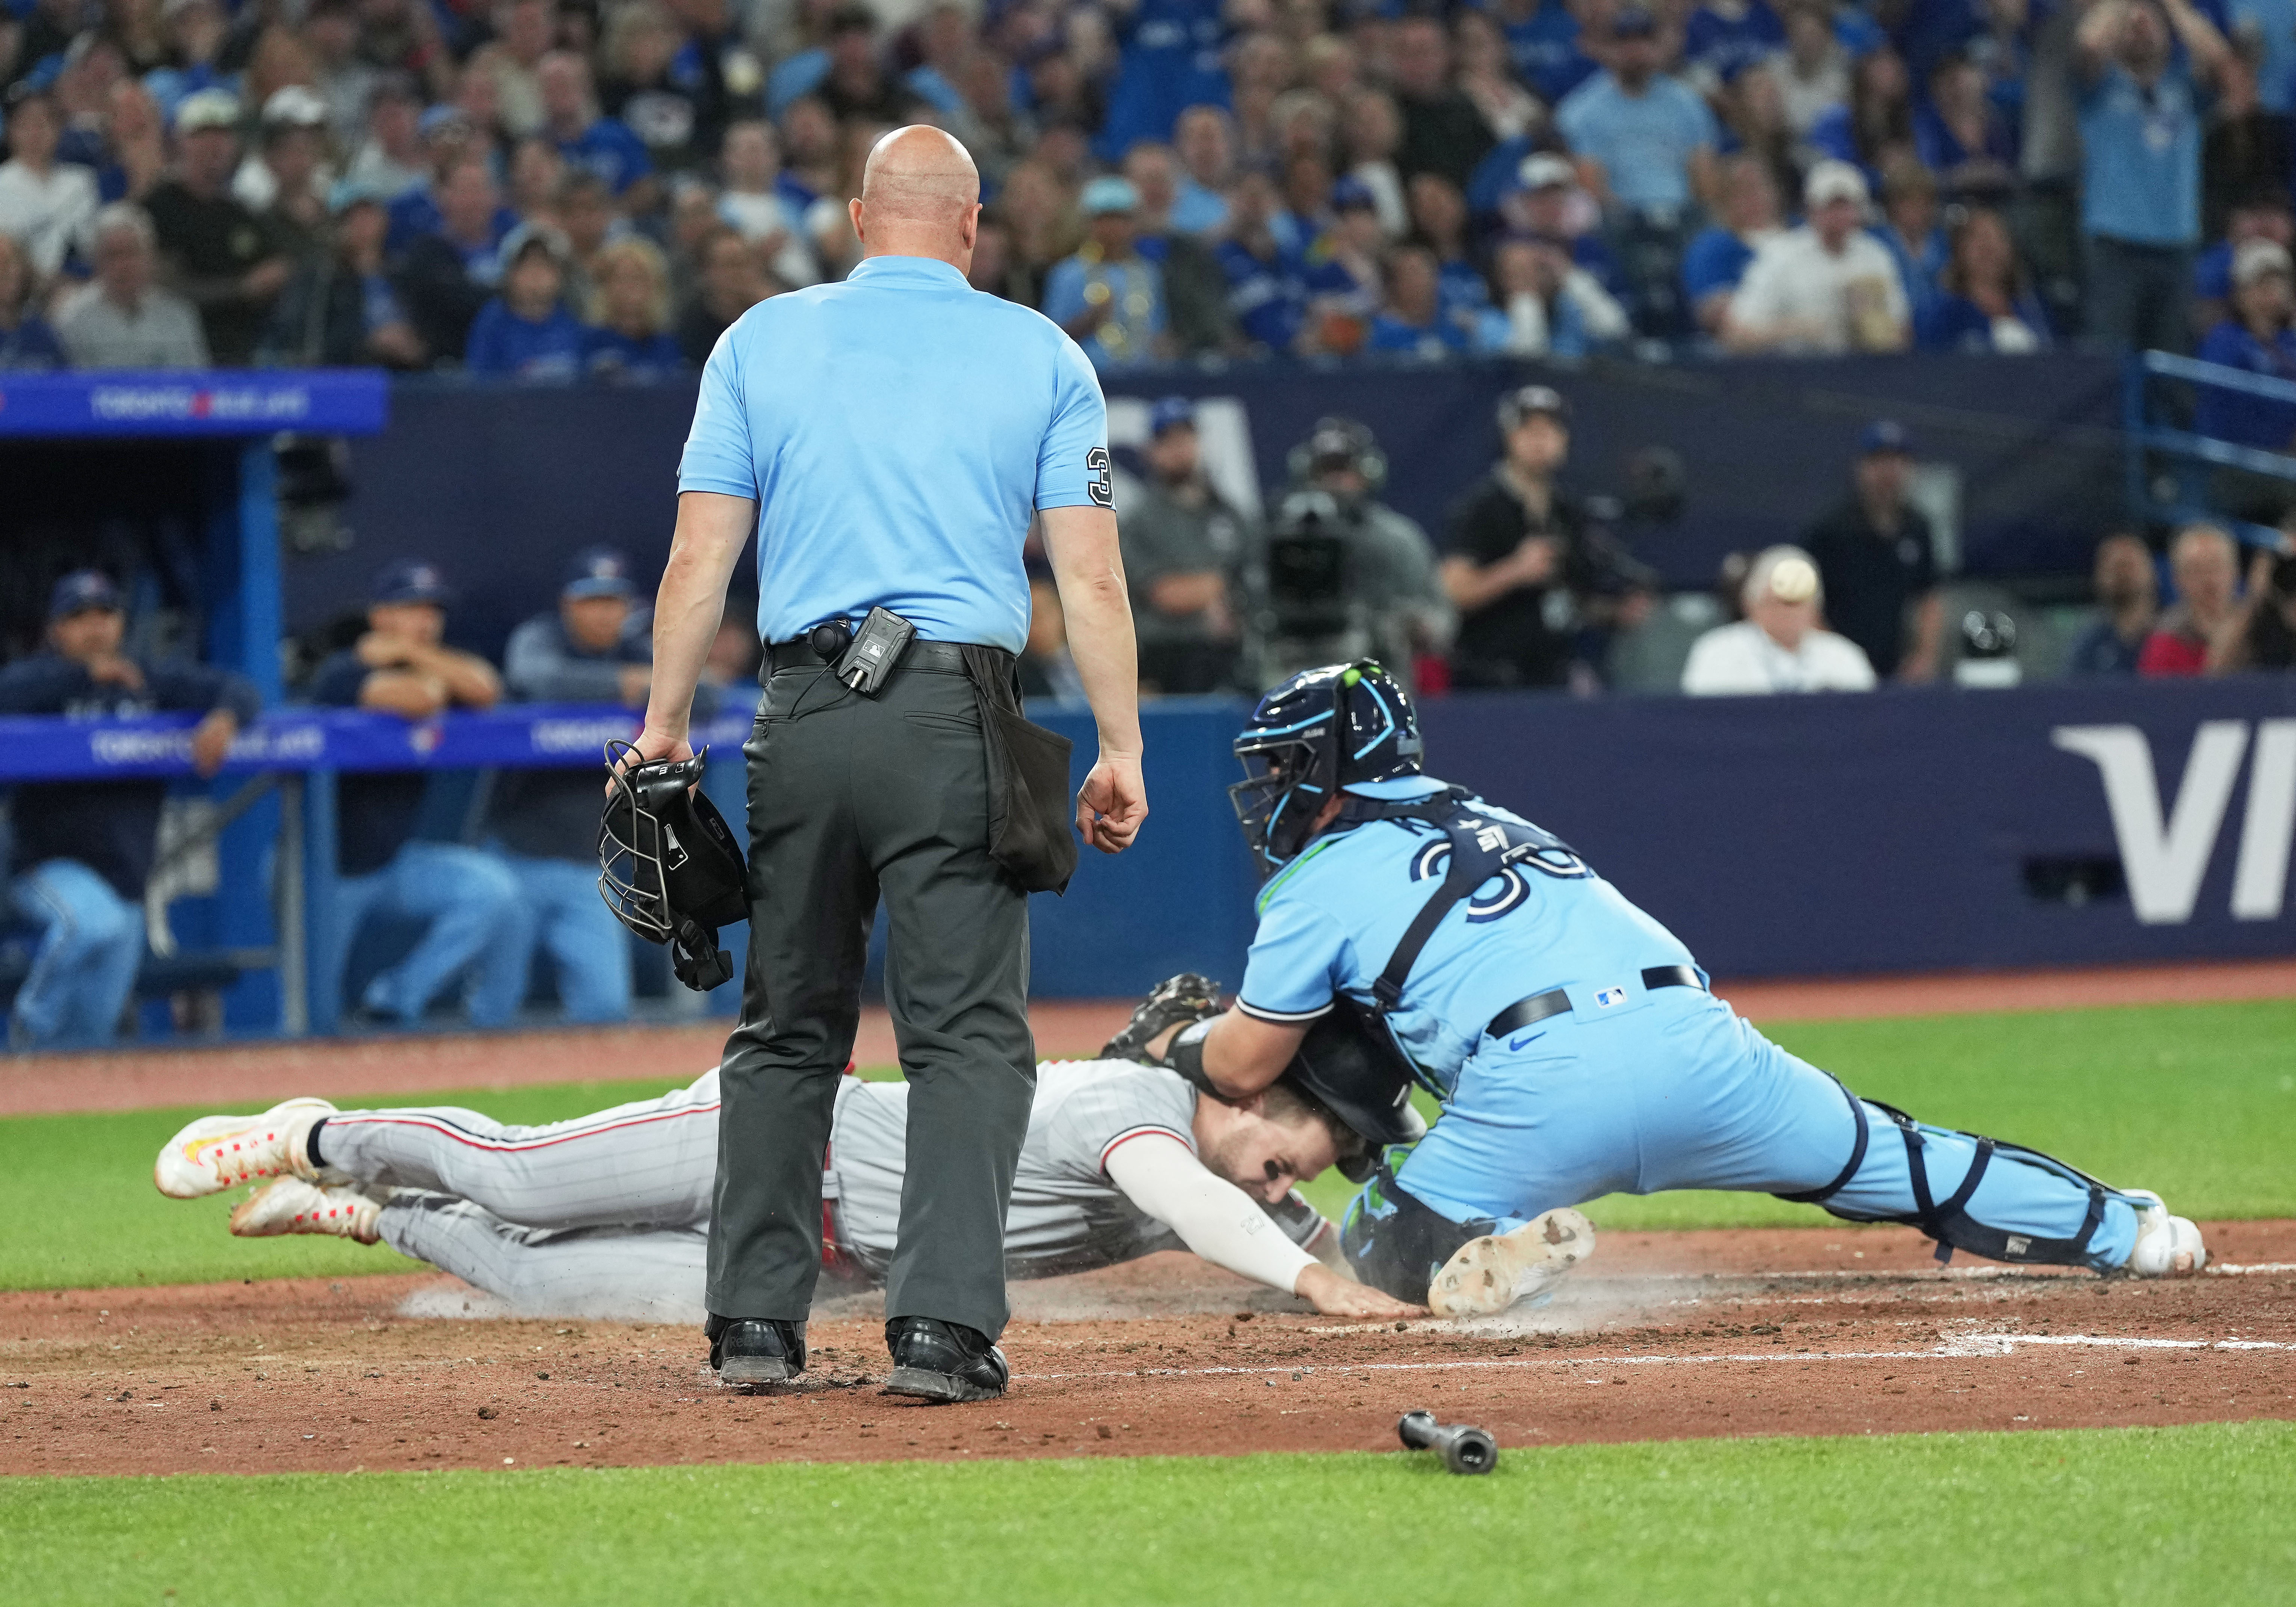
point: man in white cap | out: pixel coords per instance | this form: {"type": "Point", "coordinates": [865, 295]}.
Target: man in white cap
{"type": "Point", "coordinates": [1825, 288]}
{"type": "Point", "coordinates": [1779, 646]}
{"type": "Point", "coordinates": [225, 259]}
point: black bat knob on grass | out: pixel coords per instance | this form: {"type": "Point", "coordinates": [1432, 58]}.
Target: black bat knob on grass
{"type": "Point", "coordinates": [1463, 1447]}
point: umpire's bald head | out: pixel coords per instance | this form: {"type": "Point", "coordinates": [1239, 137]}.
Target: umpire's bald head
{"type": "Point", "coordinates": [920, 197]}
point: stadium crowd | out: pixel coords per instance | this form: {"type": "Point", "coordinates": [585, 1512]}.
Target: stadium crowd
{"type": "Point", "coordinates": [549, 188]}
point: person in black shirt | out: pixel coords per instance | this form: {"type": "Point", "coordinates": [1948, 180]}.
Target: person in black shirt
{"type": "Point", "coordinates": [469, 899]}
{"type": "Point", "coordinates": [226, 260]}
{"type": "Point", "coordinates": [1532, 578]}
{"type": "Point", "coordinates": [2266, 638]}
{"type": "Point", "coordinates": [1442, 131]}
{"type": "Point", "coordinates": [83, 850]}
{"type": "Point", "coordinates": [1876, 555]}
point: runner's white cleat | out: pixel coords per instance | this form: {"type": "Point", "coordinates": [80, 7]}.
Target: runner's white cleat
{"type": "Point", "coordinates": [292, 1206]}
{"type": "Point", "coordinates": [1490, 1274]}
{"type": "Point", "coordinates": [216, 1151]}
{"type": "Point", "coordinates": [2167, 1246]}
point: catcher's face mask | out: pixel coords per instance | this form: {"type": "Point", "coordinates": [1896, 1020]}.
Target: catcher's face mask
{"type": "Point", "coordinates": [668, 865]}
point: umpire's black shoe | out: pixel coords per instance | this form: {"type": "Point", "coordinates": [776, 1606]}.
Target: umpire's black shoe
{"type": "Point", "coordinates": [944, 1361]}
{"type": "Point", "coordinates": [745, 1350]}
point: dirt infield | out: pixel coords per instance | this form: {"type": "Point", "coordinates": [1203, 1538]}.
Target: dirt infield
{"type": "Point", "coordinates": [249, 1075]}
{"type": "Point", "coordinates": [1825, 1331]}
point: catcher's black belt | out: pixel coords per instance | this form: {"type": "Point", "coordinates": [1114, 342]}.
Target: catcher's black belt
{"type": "Point", "coordinates": [936, 658]}
{"type": "Point", "coordinates": [1554, 1001]}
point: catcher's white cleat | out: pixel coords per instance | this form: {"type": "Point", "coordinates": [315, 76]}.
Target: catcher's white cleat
{"type": "Point", "coordinates": [1490, 1274]}
{"type": "Point", "coordinates": [292, 1206]}
{"type": "Point", "coordinates": [216, 1151]}
{"type": "Point", "coordinates": [2167, 1246]}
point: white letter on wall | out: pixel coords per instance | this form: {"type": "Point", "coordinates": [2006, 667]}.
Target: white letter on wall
{"type": "Point", "coordinates": [2259, 879]}
{"type": "Point", "coordinates": [2164, 866]}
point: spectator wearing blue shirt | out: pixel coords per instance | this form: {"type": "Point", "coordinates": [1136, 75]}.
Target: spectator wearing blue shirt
{"type": "Point", "coordinates": [1543, 38]}
{"type": "Point", "coordinates": [1205, 141]}
{"type": "Point", "coordinates": [82, 852]}
{"type": "Point", "coordinates": [27, 343]}
{"type": "Point", "coordinates": [1266, 287]}
{"type": "Point", "coordinates": [1645, 141]}
{"type": "Point", "coordinates": [2145, 64]}
{"type": "Point", "coordinates": [1723, 37]}
{"type": "Point", "coordinates": [2265, 30]}
{"type": "Point", "coordinates": [2257, 339]}
{"type": "Point", "coordinates": [1876, 121]}
{"type": "Point", "coordinates": [1984, 301]}
{"type": "Point", "coordinates": [1962, 135]}
{"type": "Point", "coordinates": [197, 32]}
{"type": "Point", "coordinates": [2128, 598]}
{"type": "Point", "coordinates": [449, 138]}
{"type": "Point", "coordinates": [629, 334]}
{"type": "Point", "coordinates": [1718, 257]}
{"type": "Point", "coordinates": [1412, 319]}
{"type": "Point", "coordinates": [526, 331]}
{"type": "Point", "coordinates": [467, 901]}
{"type": "Point", "coordinates": [1107, 297]}
{"type": "Point", "coordinates": [1345, 283]}
{"type": "Point", "coordinates": [1171, 60]}
{"type": "Point", "coordinates": [586, 141]}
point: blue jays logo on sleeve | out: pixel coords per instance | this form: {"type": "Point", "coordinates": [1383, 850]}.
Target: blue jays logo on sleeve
{"type": "Point", "coordinates": [1097, 487]}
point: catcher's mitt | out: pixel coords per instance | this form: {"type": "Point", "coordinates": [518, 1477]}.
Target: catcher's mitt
{"type": "Point", "coordinates": [1185, 998]}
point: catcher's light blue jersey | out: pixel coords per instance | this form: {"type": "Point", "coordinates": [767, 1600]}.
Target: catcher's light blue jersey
{"type": "Point", "coordinates": [1329, 920]}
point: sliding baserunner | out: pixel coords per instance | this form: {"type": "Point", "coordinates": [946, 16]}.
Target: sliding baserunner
{"type": "Point", "coordinates": [1571, 1037]}
{"type": "Point", "coordinates": [608, 1214]}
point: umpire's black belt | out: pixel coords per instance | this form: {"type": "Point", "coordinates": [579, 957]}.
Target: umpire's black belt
{"type": "Point", "coordinates": [1554, 1001]}
{"type": "Point", "coordinates": [935, 657]}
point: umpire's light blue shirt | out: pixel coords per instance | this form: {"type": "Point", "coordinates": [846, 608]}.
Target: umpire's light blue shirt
{"type": "Point", "coordinates": [896, 431]}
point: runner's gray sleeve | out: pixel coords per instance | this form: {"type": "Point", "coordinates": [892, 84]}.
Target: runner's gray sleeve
{"type": "Point", "coordinates": [1213, 1217]}
{"type": "Point", "coordinates": [1120, 1102]}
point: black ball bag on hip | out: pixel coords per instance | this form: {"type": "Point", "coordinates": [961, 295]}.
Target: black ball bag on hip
{"type": "Point", "coordinates": [667, 864]}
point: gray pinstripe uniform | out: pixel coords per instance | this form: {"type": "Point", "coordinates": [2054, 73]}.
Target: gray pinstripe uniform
{"type": "Point", "coordinates": [608, 1214]}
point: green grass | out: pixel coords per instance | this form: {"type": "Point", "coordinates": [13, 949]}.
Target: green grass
{"type": "Point", "coordinates": [2197, 1101]}
{"type": "Point", "coordinates": [2158, 1516]}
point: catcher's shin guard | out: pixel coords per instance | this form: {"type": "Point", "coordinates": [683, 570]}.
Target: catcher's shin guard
{"type": "Point", "coordinates": [1395, 1241]}
{"type": "Point", "coordinates": [1949, 1221]}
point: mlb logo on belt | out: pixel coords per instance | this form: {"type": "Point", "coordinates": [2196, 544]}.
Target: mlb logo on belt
{"type": "Point", "coordinates": [1606, 998]}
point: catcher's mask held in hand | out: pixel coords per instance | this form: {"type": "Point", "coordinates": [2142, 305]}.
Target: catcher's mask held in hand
{"type": "Point", "coordinates": [668, 865]}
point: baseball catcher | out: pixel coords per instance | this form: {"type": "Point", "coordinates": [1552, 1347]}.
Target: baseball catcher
{"type": "Point", "coordinates": [1570, 1039]}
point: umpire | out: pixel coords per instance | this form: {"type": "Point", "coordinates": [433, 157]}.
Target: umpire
{"type": "Point", "coordinates": [887, 439]}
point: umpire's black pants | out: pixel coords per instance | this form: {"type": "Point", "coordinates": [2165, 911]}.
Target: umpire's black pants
{"type": "Point", "coordinates": [852, 797]}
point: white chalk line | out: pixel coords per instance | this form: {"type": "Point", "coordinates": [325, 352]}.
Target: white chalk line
{"type": "Point", "coordinates": [1972, 1347]}
{"type": "Point", "coordinates": [1920, 1273]}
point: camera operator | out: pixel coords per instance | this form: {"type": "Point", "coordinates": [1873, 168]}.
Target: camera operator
{"type": "Point", "coordinates": [1341, 574]}
{"type": "Point", "coordinates": [1537, 583]}
{"type": "Point", "coordinates": [2261, 634]}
